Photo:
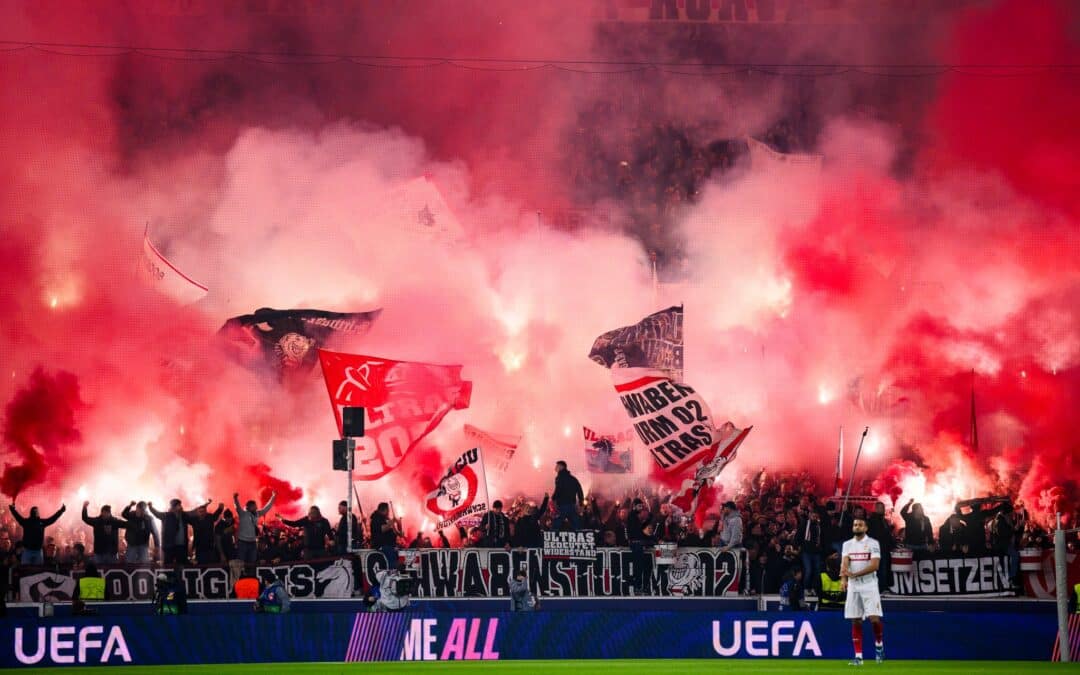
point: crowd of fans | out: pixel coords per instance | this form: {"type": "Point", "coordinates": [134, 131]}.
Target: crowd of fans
{"type": "Point", "coordinates": [784, 523]}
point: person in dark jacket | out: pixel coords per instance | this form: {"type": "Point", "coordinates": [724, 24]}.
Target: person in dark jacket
{"type": "Point", "coordinates": [568, 497]}
{"type": "Point", "coordinates": [527, 533]}
{"type": "Point", "coordinates": [792, 591]}
{"type": "Point", "coordinates": [316, 530]}
{"type": "Point", "coordinates": [808, 539]}
{"type": "Point", "coordinates": [33, 538]}
{"type": "Point", "coordinates": [341, 533]}
{"type": "Point", "coordinates": [202, 535]}
{"type": "Point", "coordinates": [877, 527]}
{"type": "Point", "coordinates": [140, 528]}
{"type": "Point", "coordinates": [106, 534]}
{"type": "Point", "coordinates": [496, 527]}
{"type": "Point", "coordinates": [174, 531]}
{"type": "Point", "coordinates": [225, 536]}
{"type": "Point", "coordinates": [918, 530]}
{"type": "Point", "coordinates": [383, 531]}
{"type": "Point", "coordinates": [951, 534]}
{"type": "Point", "coordinates": [1003, 541]}
{"type": "Point", "coordinates": [637, 518]}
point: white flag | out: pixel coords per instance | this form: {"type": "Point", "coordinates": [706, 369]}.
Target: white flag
{"type": "Point", "coordinates": [164, 277]}
{"type": "Point", "coordinates": [499, 448]}
{"type": "Point", "coordinates": [783, 165]}
{"type": "Point", "coordinates": [462, 495]}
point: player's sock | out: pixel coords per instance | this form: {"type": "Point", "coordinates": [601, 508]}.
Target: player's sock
{"type": "Point", "coordinates": [879, 633]}
{"type": "Point", "coordinates": [856, 639]}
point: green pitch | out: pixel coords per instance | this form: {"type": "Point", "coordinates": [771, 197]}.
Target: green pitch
{"type": "Point", "coordinates": [620, 666]}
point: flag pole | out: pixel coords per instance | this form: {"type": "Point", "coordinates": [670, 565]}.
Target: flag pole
{"type": "Point", "coordinates": [839, 487]}
{"type": "Point", "coordinates": [851, 479]}
{"type": "Point", "coordinates": [349, 511]}
{"type": "Point", "coordinates": [974, 423]}
{"type": "Point", "coordinates": [655, 280]}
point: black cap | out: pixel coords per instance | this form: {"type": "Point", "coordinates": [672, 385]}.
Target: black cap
{"type": "Point", "coordinates": [730, 505]}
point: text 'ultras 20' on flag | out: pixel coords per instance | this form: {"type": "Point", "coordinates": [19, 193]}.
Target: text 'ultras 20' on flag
{"type": "Point", "coordinates": [289, 339]}
{"type": "Point", "coordinates": [498, 448]}
{"type": "Point", "coordinates": [462, 495]}
{"type": "Point", "coordinates": [655, 342]}
{"type": "Point", "coordinates": [164, 277]}
{"type": "Point", "coordinates": [403, 401]}
{"type": "Point", "coordinates": [609, 453]}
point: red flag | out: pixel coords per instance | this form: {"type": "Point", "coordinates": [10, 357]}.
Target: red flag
{"type": "Point", "coordinates": [719, 455]}
{"type": "Point", "coordinates": [404, 401]}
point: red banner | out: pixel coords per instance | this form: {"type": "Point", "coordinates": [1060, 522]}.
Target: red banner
{"type": "Point", "coordinates": [403, 401]}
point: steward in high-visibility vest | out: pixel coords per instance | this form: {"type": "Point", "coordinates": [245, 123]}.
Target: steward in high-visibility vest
{"type": "Point", "coordinates": [90, 585]}
{"type": "Point", "coordinates": [1076, 596]}
{"type": "Point", "coordinates": [91, 588]}
{"type": "Point", "coordinates": [832, 597]}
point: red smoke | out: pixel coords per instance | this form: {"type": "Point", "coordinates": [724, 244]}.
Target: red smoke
{"type": "Point", "coordinates": [1027, 130]}
{"type": "Point", "coordinates": [287, 494]}
{"type": "Point", "coordinates": [944, 246]}
{"type": "Point", "coordinates": [39, 424]}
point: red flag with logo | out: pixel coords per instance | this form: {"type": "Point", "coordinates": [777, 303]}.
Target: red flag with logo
{"type": "Point", "coordinates": [403, 400]}
{"type": "Point", "coordinates": [718, 457]}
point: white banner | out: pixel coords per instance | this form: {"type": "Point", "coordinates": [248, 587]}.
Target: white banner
{"type": "Point", "coordinates": [783, 165]}
{"type": "Point", "coordinates": [499, 449]}
{"type": "Point", "coordinates": [462, 495]}
{"type": "Point", "coordinates": [671, 419]}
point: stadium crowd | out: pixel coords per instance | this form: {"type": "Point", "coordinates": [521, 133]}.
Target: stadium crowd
{"type": "Point", "coordinates": [784, 522]}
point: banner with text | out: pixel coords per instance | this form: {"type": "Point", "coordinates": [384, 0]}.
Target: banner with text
{"type": "Point", "coordinates": [579, 545]}
{"type": "Point", "coordinates": [462, 495]}
{"type": "Point", "coordinates": [441, 573]}
{"type": "Point", "coordinates": [609, 453]}
{"type": "Point", "coordinates": [466, 634]}
{"type": "Point", "coordinates": [965, 575]}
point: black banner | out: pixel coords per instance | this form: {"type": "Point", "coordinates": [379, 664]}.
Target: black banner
{"type": "Point", "coordinates": [441, 573]}
{"type": "Point", "coordinates": [289, 339]}
{"type": "Point", "coordinates": [982, 575]}
{"type": "Point", "coordinates": [570, 545]}
{"type": "Point", "coordinates": [654, 342]}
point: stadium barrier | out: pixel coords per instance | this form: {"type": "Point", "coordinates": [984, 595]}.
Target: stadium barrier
{"type": "Point", "coordinates": [486, 573]}
{"type": "Point", "coordinates": [465, 635]}
{"type": "Point", "coordinates": [441, 573]}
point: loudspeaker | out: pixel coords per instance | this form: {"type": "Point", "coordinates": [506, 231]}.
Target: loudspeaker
{"type": "Point", "coordinates": [352, 422]}
{"type": "Point", "coordinates": [343, 454]}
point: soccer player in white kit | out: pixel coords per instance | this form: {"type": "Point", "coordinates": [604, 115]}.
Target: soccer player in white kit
{"type": "Point", "coordinates": [858, 576]}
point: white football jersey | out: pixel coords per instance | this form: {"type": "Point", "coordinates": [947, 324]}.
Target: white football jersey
{"type": "Point", "coordinates": [859, 555]}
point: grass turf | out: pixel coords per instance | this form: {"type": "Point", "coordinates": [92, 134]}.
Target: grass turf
{"type": "Point", "coordinates": [620, 666]}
